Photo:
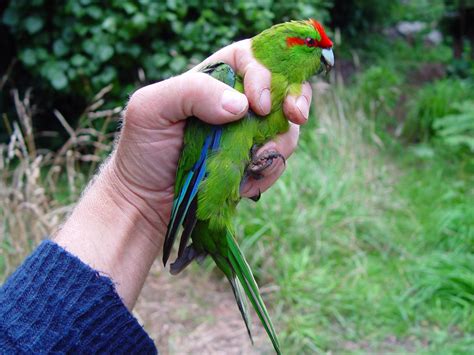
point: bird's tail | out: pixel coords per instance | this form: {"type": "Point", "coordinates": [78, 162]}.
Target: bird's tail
{"type": "Point", "coordinates": [241, 300]}
{"type": "Point", "coordinates": [245, 276]}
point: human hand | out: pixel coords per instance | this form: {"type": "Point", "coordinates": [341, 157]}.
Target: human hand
{"type": "Point", "coordinates": [148, 150]}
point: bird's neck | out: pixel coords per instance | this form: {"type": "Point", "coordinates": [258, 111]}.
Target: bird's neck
{"type": "Point", "coordinates": [281, 87]}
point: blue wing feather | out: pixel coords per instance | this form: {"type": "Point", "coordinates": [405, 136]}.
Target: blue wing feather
{"type": "Point", "coordinates": [185, 204]}
{"type": "Point", "coordinates": [188, 193]}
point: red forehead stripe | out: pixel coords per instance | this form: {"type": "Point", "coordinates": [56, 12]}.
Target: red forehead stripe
{"type": "Point", "coordinates": [325, 42]}
{"type": "Point", "coordinates": [294, 41]}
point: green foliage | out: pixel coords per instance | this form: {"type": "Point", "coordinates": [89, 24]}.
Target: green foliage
{"type": "Point", "coordinates": [435, 101]}
{"type": "Point", "coordinates": [443, 278]}
{"type": "Point", "coordinates": [382, 85]}
{"type": "Point", "coordinates": [82, 46]}
{"type": "Point", "coordinates": [463, 66]}
{"type": "Point", "coordinates": [371, 252]}
{"type": "Point", "coordinates": [403, 56]}
{"type": "Point", "coordinates": [355, 17]}
{"type": "Point", "coordinates": [420, 10]}
{"type": "Point", "coordinates": [457, 129]}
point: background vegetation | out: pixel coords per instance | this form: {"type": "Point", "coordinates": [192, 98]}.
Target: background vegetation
{"type": "Point", "coordinates": [373, 247]}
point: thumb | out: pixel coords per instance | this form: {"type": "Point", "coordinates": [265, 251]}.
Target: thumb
{"type": "Point", "coordinates": [190, 94]}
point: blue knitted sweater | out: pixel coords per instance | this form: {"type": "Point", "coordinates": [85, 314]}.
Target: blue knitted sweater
{"type": "Point", "coordinates": [55, 303]}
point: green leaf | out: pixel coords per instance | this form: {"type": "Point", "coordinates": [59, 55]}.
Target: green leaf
{"type": "Point", "coordinates": [33, 24]}
{"type": "Point", "coordinates": [110, 24]}
{"type": "Point", "coordinates": [28, 57]}
{"type": "Point", "coordinates": [460, 140]}
{"type": "Point", "coordinates": [78, 60]}
{"type": "Point", "coordinates": [178, 64]}
{"type": "Point", "coordinates": [108, 75]}
{"type": "Point", "coordinates": [129, 8]}
{"type": "Point", "coordinates": [177, 26]}
{"type": "Point", "coordinates": [60, 48]}
{"type": "Point", "coordinates": [95, 12]}
{"type": "Point", "coordinates": [89, 47]}
{"type": "Point", "coordinates": [59, 80]}
{"type": "Point", "coordinates": [139, 21]}
{"type": "Point", "coordinates": [42, 54]}
{"type": "Point", "coordinates": [72, 73]}
{"type": "Point", "coordinates": [160, 59]}
{"type": "Point", "coordinates": [171, 4]}
{"type": "Point", "coordinates": [10, 17]}
{"type": "Point", "coordinates": [105, 52]}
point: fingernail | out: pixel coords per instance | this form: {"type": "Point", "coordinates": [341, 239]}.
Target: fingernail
{"type": "Point", "coordinates": [233, 102]}
{"type": "Point", "coordinates": [303, 106]}
{"type": "Point", "coordinates": [265, 102]}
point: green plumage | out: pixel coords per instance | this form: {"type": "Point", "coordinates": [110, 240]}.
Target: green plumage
{"type": "Point", "coordinates": [214, 159]}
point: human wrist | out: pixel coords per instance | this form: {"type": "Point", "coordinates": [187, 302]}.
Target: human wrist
{"type": "Point", "coordinates": [114, 232]}
{"type": "Point", "coordinates": [144, 206]}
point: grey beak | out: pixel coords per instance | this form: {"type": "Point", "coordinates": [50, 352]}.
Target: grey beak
{"type": "Point", "coordinates": [327, 57]}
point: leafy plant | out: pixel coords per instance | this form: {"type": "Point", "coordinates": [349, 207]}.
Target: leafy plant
{"type": "Point", "coordinates": [82, 46]}
{"type": "Point", "coordinates": [357, 17]}
{"type": "Point", "coordinates": [433, 102]}
{"type": "Point", "coordinates": [380, 88]}
{"type": "Point", "coordinates": [420, 10]}
{"type": "Point", "coordinates": [362, 251]}
{"type": "Point", "coordinates": [457, 129]}
{"type": "Point", "coordinates": [444, 277]}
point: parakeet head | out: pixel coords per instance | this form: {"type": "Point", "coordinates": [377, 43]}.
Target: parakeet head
{"type": "Point", "coordinates": [296, 49]}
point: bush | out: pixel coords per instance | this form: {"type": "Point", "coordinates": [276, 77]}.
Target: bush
{"type": "Point", "coordinates": [457, 129]}
{"type": "Point", "coordinates": [380, 86]}
{"type": "Point", "coordinates": [81, 46]}
{"type": "Point", "coordinates": [420, 10]}
{"type": "Point", "coordinates": [355, 17]}
{"type": "Point", "coordinates": [432, 103]}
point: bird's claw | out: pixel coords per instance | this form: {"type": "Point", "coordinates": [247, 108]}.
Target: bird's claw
{"type": "Point", "coordinates": [260, 162]}
{"type": "Point", "coordinates": [256, 197]}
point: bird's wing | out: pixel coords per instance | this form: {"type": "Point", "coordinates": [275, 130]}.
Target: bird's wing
{"type": "Point", "coordinates": [200, 141]}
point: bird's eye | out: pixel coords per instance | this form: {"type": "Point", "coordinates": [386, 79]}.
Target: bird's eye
{"type": "Point", "coordinates": [310, 42]}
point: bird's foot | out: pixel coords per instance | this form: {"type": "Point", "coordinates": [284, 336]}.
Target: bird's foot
{"type": "Point", "coordinates": [259, 163]}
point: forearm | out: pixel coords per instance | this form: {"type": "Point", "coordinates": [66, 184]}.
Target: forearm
{"type": "Point", "coordinates": [115, 232]}
{"type": "Point", "coordinates": [54, 303]}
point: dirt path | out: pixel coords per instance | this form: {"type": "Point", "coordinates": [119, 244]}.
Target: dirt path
{"type": "Point", "coordinates": [195, 313]}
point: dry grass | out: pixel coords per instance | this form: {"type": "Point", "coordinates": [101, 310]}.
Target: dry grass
{"type": "Point", "coordinates": [31, 179]}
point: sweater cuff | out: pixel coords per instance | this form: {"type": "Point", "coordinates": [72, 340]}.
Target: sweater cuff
{"type": "Point", "coordinates": [55, 303]}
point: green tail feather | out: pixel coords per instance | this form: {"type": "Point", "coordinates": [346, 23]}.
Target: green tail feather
{"type": "Point", "coordinates": [241, 300]}
{"type": "Point", "coordinates": [245, 276]}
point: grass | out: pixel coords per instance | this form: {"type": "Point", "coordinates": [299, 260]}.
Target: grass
{"type": "Point", "coordinates": [364, 245]}
{"type": "Point", "coordinates": [38, 188]}
{"type": "Point", "coordinates": [371, 251]}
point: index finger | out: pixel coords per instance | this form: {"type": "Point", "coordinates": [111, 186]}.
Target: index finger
{"type": "Point", "coordinates": [257, 78]}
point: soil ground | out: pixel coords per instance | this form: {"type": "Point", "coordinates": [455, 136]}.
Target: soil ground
{"type": "Point", "coordinates": [195, 313]}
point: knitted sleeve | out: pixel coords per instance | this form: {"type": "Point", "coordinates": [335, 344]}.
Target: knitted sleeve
{"type": "Point", "coordinates": [55, 303]}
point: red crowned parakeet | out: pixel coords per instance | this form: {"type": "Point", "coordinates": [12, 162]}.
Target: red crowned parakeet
{"type": "Point", "coordinates": [216, 160]}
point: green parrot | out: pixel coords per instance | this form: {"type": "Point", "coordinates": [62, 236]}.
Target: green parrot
{"type": "Point", "coordinates": [217, 160]}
